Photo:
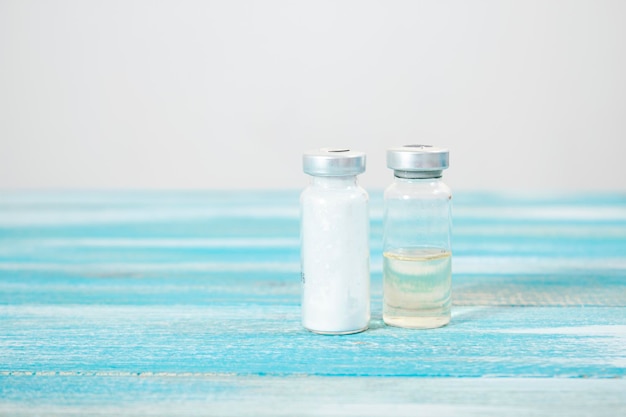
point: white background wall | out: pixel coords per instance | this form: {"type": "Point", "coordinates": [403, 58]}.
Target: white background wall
{"type": "Point", "coordinates": [213, 94]}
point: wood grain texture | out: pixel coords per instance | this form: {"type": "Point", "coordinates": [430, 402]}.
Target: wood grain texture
{"type": "Point", "coordinates": [164, 395]}
{"type": "Point", "coordinates": [165, 302]}
{"type": "Point", "coordinates": [265, 339]}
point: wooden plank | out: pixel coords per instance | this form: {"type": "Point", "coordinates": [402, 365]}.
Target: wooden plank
{"type": "Point", "coordinates": [200, 284]}
{"type": "Point", "coordinates": [267, 339]}
{"type": "Point", "coordinates": [164, 395]}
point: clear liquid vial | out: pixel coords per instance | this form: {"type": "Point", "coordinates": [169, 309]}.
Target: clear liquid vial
{"type": "Point", "coordinates": [417, 262]}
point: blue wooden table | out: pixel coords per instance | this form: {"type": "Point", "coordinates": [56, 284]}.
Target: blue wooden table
{"type": "Point", "coordinates": [162, 303]}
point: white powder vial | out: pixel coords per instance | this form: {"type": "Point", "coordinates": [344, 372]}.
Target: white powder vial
{"type": "Point", "coordinates": [334, 240]}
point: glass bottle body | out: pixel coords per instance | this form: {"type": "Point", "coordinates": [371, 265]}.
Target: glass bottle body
{"type": "Point", "coordinates": [335, 256]}
{"type": "Point", "coordinates": [417, 261]}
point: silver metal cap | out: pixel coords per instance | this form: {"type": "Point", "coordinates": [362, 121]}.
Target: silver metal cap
{"type": "Point", "coordinates": [333, 162]}
{"type": "Point", "coordinates": [417, 161]}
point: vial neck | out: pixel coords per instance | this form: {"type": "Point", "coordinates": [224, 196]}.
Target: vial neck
{"type": "Point", "coordinates": [417, 175]}
{"type": "Point", "coordinates": [417, 180]}
{"type": "Point", "coordinates": [335, 182]}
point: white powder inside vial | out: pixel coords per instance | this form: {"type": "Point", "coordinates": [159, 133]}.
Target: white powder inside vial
{"type": "Point", "coordinates": [335, 256]}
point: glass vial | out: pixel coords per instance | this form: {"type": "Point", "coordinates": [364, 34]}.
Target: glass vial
{"type": "Point", "coordinates": [417, 274]}
{"type": "Point", "coordinates": [334, 238]}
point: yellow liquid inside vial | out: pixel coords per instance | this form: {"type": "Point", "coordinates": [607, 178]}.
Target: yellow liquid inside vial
{"type": "Point", "coordinates": [416, 287]}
